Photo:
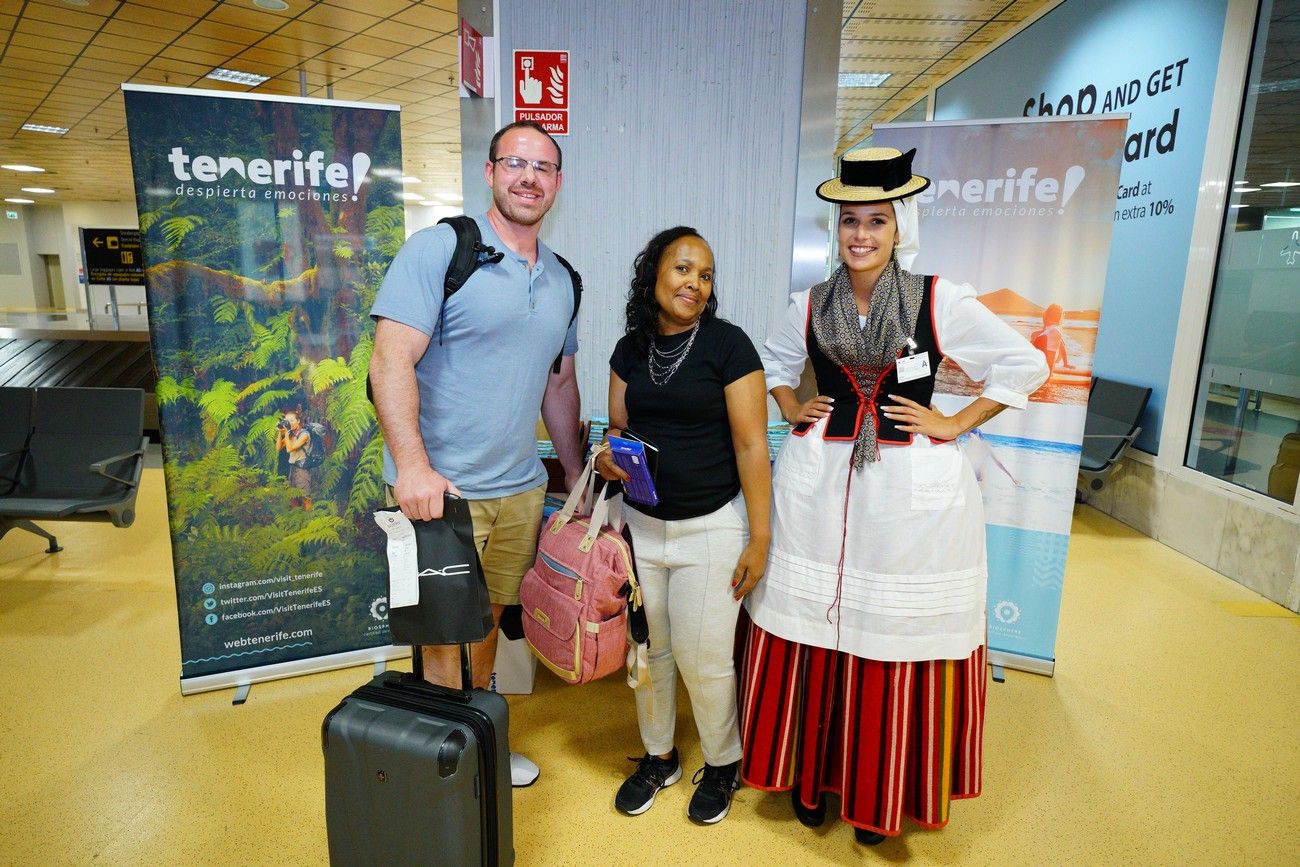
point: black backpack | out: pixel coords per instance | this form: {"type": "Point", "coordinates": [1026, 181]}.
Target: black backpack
{"type": "Point", "coordinates": [471, 254]}
{"type": "Point", "coordinates": [315, 445]}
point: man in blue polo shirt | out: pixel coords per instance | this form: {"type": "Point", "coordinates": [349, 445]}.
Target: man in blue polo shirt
{"type": "Point", "coordinates": [458, 385]}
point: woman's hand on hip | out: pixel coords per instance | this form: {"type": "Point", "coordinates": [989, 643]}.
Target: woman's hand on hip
{"type": "Point", "coordinates": [811, 410]}
{"type": "Point", "coordinates": [749, 569]}
{"type": "Point", "coordinates": [910, 416]}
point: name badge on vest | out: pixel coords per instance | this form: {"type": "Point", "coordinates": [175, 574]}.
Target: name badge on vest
{"type": "Point", "coordinates": [912, 367]}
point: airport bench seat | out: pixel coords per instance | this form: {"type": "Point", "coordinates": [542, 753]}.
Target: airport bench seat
{"type": "Point", "coordinates": [69, 454]}
{"type": "Point", "coordinates": [1109, 428]}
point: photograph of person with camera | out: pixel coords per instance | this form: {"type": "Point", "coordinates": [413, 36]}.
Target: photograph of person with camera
{"type": "Point", "coordinates": [294, 439]}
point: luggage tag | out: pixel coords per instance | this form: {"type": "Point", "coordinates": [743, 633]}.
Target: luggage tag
{"type": "Point", "coordinates": [912, 366]}
{"type": "Point", "coordinates": [403, 565]}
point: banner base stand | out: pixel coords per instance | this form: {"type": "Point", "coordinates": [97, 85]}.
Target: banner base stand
{"type": "Point", "coordinates": [247, 677]}
{"type": "Point", "coordinates": [999, 673]}
{"type": "Point", "coordinates": [381, 665]}
{"type": "Point", "coordinates": [1003, 659]}
{"type": "Point", "coordinates": [241, 692]}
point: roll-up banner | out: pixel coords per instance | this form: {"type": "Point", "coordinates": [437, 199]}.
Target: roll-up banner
{"type": "Point", "coordinates": [1022, 210]}
{"type": "Point", "coordinates": [267, 225]}
{"type": "Point", "coordinates": [1157, 60]}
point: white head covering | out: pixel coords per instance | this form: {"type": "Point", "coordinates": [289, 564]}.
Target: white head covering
{"type": "Point", "coordinates": [909, 231]}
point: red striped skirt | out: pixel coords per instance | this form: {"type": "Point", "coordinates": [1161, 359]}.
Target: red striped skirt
{"type": "Point", "coordinates": [890, 738]}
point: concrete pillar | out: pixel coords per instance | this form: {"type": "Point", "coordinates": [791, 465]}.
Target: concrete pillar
{"type": "Point", "coordinates": [713, 114]}
{"type": "Point", "coordinates": [478, 117]}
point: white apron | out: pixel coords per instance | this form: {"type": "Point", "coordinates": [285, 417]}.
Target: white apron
{"type": "Point", "coordinates": [900, 575]}
{"type": "Point", "coordinates": [913, 581]}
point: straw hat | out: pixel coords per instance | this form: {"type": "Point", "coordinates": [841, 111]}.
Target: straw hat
{"type": "Point", "coordinates": [873, 175]}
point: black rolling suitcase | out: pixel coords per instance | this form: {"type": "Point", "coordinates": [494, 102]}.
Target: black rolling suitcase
{"type": "Point", "coordinates": [418, 774]}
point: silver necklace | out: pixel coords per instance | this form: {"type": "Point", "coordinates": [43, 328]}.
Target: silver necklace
{"type": "Point", "coordinates": [662, 365]}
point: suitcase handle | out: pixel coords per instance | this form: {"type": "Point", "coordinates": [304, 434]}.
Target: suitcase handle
{"type": "Point", "coordinates": [466, 670]}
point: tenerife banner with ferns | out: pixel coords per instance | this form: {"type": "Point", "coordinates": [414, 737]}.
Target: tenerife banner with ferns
{"type": "Point", "coordinates": [267, 226]}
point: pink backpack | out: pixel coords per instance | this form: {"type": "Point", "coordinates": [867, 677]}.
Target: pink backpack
{"type": "Point", "coordinates": [577, 595]}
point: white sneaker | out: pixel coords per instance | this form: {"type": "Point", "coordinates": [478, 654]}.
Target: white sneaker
{"type": "Point", "coordinates": [523, 771]}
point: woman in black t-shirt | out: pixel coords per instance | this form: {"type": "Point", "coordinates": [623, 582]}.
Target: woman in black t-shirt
{"type": "Point", "coordinates": [691, 385]}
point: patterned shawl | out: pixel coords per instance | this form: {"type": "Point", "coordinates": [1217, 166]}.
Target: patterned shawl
{"type": "Point", "coordinates": [867, 351]}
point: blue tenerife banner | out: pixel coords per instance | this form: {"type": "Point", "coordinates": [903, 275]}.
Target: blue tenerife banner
{"type": "Point", "coordinates": [1156, 60]}
{"type": "Point", "coordinates": [267, 226]}
{"type": "Point", "coordinates": [1022, 211]}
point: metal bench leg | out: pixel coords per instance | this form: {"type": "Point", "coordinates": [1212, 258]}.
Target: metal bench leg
{"type": "Point", "coordinates": [7, 524]}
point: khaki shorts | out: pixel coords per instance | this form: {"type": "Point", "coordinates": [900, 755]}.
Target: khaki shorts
{"type": "Point", "coordinates": [505, 532]}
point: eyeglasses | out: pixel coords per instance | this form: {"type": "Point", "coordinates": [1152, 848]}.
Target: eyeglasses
{"type": "Point", "coordinates": [514, 165]}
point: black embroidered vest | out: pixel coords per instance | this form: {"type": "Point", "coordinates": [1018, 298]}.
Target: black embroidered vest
{"type": "Point", "coordinates": [833, 380]}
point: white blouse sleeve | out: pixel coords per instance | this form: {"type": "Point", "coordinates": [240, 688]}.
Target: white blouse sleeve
{"type": "Point", "coordinates": [987, 349]}
{"type": "Point", "coordinates": [786, 350]}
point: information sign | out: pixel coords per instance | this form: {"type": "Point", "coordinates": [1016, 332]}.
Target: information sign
{"type": "Point", "coordinates": [541, 82]}
{"type": "Point", "coordinates": [112, 257]}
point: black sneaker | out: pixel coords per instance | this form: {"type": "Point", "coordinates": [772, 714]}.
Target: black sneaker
{"type": "Point", "coordinates": [652, 773]}
{"type": "Point", "coordinates": [712, 798]}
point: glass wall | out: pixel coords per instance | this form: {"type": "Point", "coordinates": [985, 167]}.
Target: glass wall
{"type": "Point", "coordinates": [1246, 425]}
{"type": "Point", "coordinates": [914, 113]}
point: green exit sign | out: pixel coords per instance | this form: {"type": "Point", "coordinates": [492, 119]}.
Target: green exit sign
{"type": "Point", "coordinates": [11, 215]}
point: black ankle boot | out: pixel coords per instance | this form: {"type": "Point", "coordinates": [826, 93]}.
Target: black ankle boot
{"type": "Point", "coordinates": [812, 818]}
{"type": "Point", "coordinates": [867, 838]}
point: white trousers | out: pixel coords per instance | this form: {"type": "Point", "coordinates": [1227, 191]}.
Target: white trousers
{"type": "Point", "coordinates": [685, 569]}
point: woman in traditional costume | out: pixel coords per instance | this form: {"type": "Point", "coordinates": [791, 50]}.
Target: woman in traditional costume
{"type": "Point", "coordinates": [864, 673]}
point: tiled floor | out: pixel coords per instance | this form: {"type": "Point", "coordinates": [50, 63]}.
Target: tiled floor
{"type": "Point", "coordinates": [1169, 735]}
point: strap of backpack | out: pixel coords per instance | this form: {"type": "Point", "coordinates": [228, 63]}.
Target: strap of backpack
{"type": "Point", "coordinates": [468, 256]}
{"type": "Point", "coordinates": [576, 280]}
{"type": "Point", "coordinates": [580, 498]}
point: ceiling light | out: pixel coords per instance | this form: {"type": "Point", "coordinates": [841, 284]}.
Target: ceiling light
{"type": "Point", "coordinates": [450, 197]}
{"type": "Point", "coordinates": [386, 172]}
{"type": "Point", "coordinates": [21, 201]}
{"type": "Point", "coordinates": [19, 167]}
{"type": "Point", "coordinates": [44, 127]}
{"type": "Point", "coordinates": [863, 79]}
{"type": "Point", "coordinates": [411, 197]}
{"type": "Point", "coordinates": [236, 77]}
{"type": "Point", "coordinates": [1241, 183]}
{"type": "Point", "coordinates": [1246, 190]}
{"type": "Point", "coordinates": [1236, 206]}
{"type": "Point", "coordinates": [37, 190]}
{"type": "Point", "coordinates": [1282, 184]}
{"type": "Point", "coordinates": [407, 179]}
{"type": "Point", "coordinates": [431, 203]}
{"type": "Point", "coordinates": [273, 5]}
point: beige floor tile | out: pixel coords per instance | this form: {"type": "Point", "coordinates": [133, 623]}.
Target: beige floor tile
{"type": "Point", "coordinates": [1169, 735]}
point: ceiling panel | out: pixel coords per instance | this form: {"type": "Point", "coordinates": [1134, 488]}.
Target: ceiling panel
{"type": "Point", "coordinates": [852, 49]}
{"type": "Point", "coordinates": [246, 18]}
{"type": "Point", "coordinates": [909, 30]}
{"type": "Point", "coordinates": [918, 42]}
{"type": "Point", "coordinates": [154, 18]}
{"type": "Point", "coordinates": [937, 10]}
{"type": "Point", "coordinates": [63, 64]}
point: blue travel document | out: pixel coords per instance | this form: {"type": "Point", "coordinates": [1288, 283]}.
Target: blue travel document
{"type": "Point", "coordinates": [634, 458]}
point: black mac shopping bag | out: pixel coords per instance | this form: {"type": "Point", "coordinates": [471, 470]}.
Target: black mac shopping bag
{"type": "Point", "coordinates": [453, 605]}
